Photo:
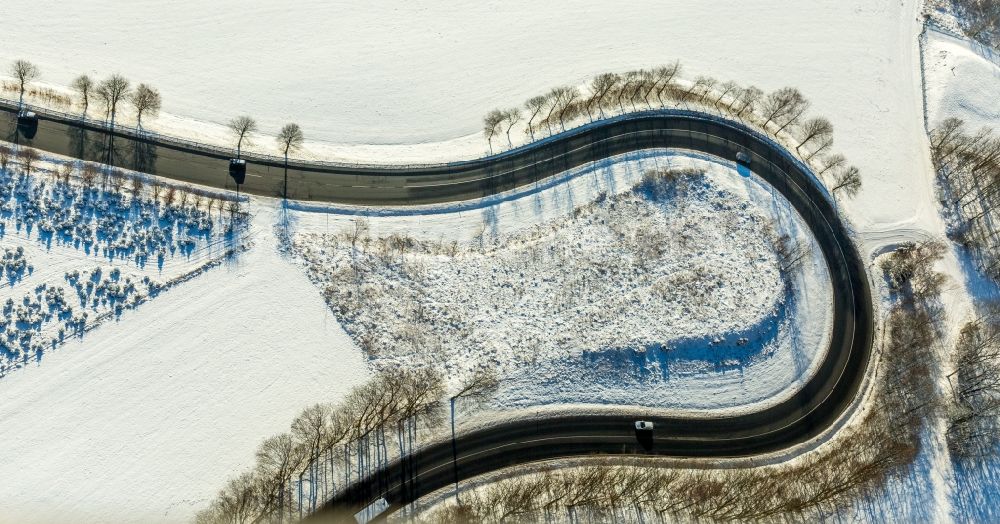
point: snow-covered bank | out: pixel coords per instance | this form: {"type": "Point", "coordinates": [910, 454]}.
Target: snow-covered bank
{"type": "Point", "coordinates": [144, 419]}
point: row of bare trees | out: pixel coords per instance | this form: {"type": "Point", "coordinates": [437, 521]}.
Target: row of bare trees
{"type": "Point", "coordinates": [855, 463]}
{"type": "Point", "coordinates": [779, 113]}
{"type": "Point", "coordinates": [968, 168]}
{"type": "Point", "coordinates": [974, 413]}
{"type": "Point", "coordinates": [111, 91]}
{"type": "Point", "coordinates": [329, 446]}
{"type": "Point", "coordinates": [146, 101]}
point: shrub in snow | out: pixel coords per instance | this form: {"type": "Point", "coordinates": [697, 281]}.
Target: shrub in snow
{"type": "Point", "coordinates": [101, 220]}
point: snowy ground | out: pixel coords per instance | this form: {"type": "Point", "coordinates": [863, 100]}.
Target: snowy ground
{"type": "Point", "coordinates": [423, 90]}
{"type": "Point", "coordinates": [962, 80]}
{"type": "Point", "coordinates": [674, 300]}
{"type": "Point", "coordinates": [144, 418]}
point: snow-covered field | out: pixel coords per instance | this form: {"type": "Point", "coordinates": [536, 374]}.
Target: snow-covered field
{"type": "Point", "coordinates": [513, 283]}
{"type": "Point", "coordinates": [670, 298]}
{"type": "Point", "coordinates": [962, 80]}
{"type": "Point", "coordinates": [231, 356]}
{"type": "Point", "coordinates": [144, 418]}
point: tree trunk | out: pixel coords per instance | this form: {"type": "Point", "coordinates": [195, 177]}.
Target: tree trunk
{"type": "Point", "coordinates": [284, 192]}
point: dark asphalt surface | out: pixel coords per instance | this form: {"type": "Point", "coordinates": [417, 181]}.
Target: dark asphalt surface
{"type": "Point", "coordinates": [814, 408]}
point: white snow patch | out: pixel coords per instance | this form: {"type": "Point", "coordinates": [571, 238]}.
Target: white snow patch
{"type": "Point", "coordinates": [961, 83]}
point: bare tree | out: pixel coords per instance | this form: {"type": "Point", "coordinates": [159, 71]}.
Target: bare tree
{"type": "Point", "coordinates": [117, 180]}
{"type": "Point", "coordinates": [824, 143]}
{"type": "Point", "coordinates": [145, 99]}
{"type": "Point", "coordinates": [360, 228]}
{"type": "Point", "coordinates": [83, 85]}
{"type": "Point", "coordinates": [311, 431]}
{"type": "Point", "coordinates": [480, 385]}
{"type": "Point", "coordinates": [725, 89]}
{"type": "Point", "coordinates": [814, 129]}
{"type": "Point", "coordinates": [707, 86]}
{"type": "Point", "coordinates": [25, 72]}
{"type": "Point", "coordinates": [243, 128]}
{"type": "Point", "coordinates": [556, 97]}
{"type": "Point", "coordinates": [534, 105]}
{"type": "Point", "coordinates": [136, 186]}
{"type": "Point", "coordinates": [169, 196]}
{"type": "Point", "coordinates": [511, 117]}
{"type": "Point", "coordinates": [832, 162]}
{"type": "Point", "coordinates": [565, 104]}
{"type": "Point", "coordinates": [28, 156]}
{"type": "Point", "coordinates": [848, 180]}
{"type": "Point", "coordinates": [277, 458]}
{"type": "Point", "coordinates": [600, 86]}
{"type": "Point", "coordinates": [88, 175]}
{"type": "Point", "coordinates": [5, 155]}
{"type": "Point", "coordinates": [290, 138]}
{"type": "Point", "coordinates": [699, 89]}
{"type": "Point", "coordinates": [944, 135]}
{"type": "Point", "coordinates": [112, 91]}
{"type": "Point", "coordinates": [664, 79]}
{"type": "Point", "coordinates": [628, 89]}
{"type": "Point", "coordinates": [783, 107]}
{"type": "Point", "coordinates": [645, 86]}
{"type": "Point", "coordinates": [491, 125]}
{"type": "Point", "coordinates": [747, 100]}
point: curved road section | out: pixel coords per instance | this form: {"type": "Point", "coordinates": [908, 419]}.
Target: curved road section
{"type": "Point", "coordinates": [806, 414]}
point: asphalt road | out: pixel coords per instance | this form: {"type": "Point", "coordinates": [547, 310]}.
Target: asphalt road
{"type": "Point", "coordinates": [811, 410]}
